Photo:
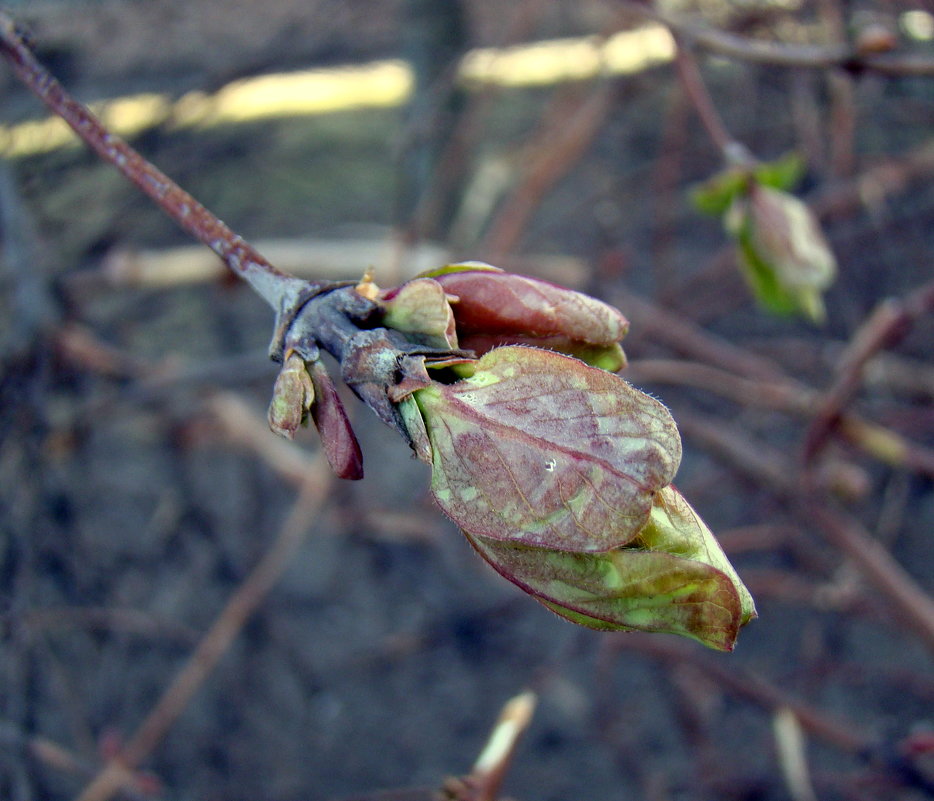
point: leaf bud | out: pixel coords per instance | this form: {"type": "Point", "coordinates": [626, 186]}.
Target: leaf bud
{"type": "Point", "coordinates": [673, 578]}
{"type": "Point", "coordinates": [292, 397]}
{"type": "Point", "coordinates": [493, 308]}
{"type": "Point", "coordinates": [559, 476]}
{"type": "Point", "coordinates": [786, 258]}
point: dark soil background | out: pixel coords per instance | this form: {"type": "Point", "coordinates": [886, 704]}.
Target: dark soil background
{"type": "Point", "coordinates": [139, 486]}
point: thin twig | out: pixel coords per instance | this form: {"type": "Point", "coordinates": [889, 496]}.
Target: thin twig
{"type": "Point", "coordinates": [653, 323]}
{"type": "Point", "coordinates": [789, 396]}
{"type": "Point", "coordinates": [216, 641]}
{"type": "Point", "coordinates": [782, 54]}
{"type": "Point", "coordinates": [841, 96]}
{"type": "Point", "coordinates": [842, 734]}
{"type": "Point", "coordinates": [271, 284]}
{"type": "Point", "coordinates": [565, 134]}
{"type": "Point", "coordinates": [694, 87]}
{"type": "Point", "coordinates": [914, 605]}
{"type": "Point", "coordinates": [59, 758]}
{"type": "Point", "coordinates": [887, 325]}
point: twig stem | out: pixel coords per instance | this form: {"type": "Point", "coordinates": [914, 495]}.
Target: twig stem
{"type": "Point", "coordinates": [271, 284]}
{"type": "Point", "coordinates": [695, 88]}
{"type": "Point", "coordinates": [215, 643]}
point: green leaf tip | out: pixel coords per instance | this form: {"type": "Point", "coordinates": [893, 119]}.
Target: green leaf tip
{"type": "Point", "coordinates": [690, 591]}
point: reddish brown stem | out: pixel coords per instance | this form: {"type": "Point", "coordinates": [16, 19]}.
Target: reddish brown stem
{"type": "Point", "coordinates": [270, 283]}
{"type": "Point", "coordinates": [215, 643]}
{"type": "Point", "coordinates": [784, 54]}
{"type": "Point", "coordinates": [839, 733]}
{"type": "Point", "coordinates": [885, 327]}
{"type": "Point", "coordinates": [695, 88]}
{"type": "Point", "coordinates": [915, 607]}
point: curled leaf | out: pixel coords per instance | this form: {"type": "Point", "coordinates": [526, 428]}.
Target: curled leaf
{"type": "Point", "coordinates": [498, 303]}
{"type": "Point", "coordinates": [673, 578]}
{"type": "Point", "coordinates": [541, 449]}
{"type": "Point", "coordinates": [337, 437]}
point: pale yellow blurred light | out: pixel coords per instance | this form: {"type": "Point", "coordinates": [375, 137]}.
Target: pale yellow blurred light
{"type": "Point", "coordinates": [132, 114]}
{"type": "Point", "coordinates": [560, 60]}
{"type": "Point", "coordinates": [537, 64]}
{"type": "Point", "coordinates": [632, 51]}
{"type": "Point", "coordinates": [385, 83]}
{"type": "Point", "coordinates": [918, 24]}
{"type": "Point", "coordinates": [379, 84]}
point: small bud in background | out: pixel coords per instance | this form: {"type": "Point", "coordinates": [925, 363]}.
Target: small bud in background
{"type": "Point", "coordinates": [783, 253]}
{"type": "Point", "coordinates": [786, 258]}
{"type": "Point", "coordinates": [292, 397]}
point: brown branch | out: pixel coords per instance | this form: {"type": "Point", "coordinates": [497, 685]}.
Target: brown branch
{"type": "Point", "coordinates": [694, 87]}
{"type": "Point", "coordinates": [59, 758]}
{"type": "Point", "coordinates": [656, 324]}
{"type": "Point", "coordinates": [565, 134]}
{"type": "Point", "coordinates": [271, 284]}
{"type": "Point", "coordinates": [842, 734]}
{"type": "Point", "coordinates": [914, 605]}
{"type": "Point", "coordinates": [216, 641]}
{"type": "Point", "coordinates": [886, 326]}
{"type": "Point", "coordinates": [782, 54]}
{"type": "Point", "coordinates": [791, 397]}
{"type": "Point", "coordinates": [841, 96]}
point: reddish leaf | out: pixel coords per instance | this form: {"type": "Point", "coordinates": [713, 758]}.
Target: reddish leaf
{"type": "Point", "coordinates": [498, 303]}
{"type": "Point", "coordinates": [540, 449]}
{"type": "Point", "coordinates": [340, 443]}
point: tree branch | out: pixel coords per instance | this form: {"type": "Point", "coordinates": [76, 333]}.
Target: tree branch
{"type": "Point", "coordinates": [274, 286]}
{"type": "Point", "coordinates": [781, 54]}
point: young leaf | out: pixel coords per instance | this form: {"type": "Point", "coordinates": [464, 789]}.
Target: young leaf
{"type": "Point", "coordinates": [675, 580]}
{"type": "Point", "coordinates": [715, 195]}
{"type": "Point", "coordinates": [540, 449]}
{"type": "Point", "coordinates": [337, 437]}
{"type": "Point", "coordinates": [497, 303]}
{"type": "Point", "coordinates": [420, 309]}
{"type": "Point", "coordinates": [785, 173]}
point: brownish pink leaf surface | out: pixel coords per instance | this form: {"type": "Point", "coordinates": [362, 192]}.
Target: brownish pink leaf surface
{"type": "Point", "coordinates": [498, 303]}
{"type": "Point", "coordinates": [539, 448]}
